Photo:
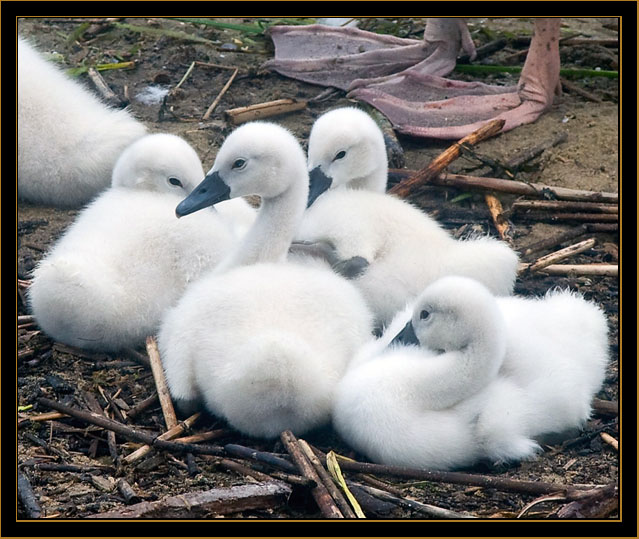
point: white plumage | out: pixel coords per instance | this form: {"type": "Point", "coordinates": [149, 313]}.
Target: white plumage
{"type": "Point", "coordinates": [68, 140]}
{"type": "Point", "coordinates": [405, 248]}
{"type": "Point", "coordinates": [478, 377]}
{"type": "Point", "coordinates": [126, 258]}
{"type": "Point", "coordinates": [353, 133]}
{"type": "Point", "coordinates": [262, 341]}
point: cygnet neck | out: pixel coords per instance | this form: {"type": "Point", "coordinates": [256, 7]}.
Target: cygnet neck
{"type": "Point", "coordinates": [453, 376]}
{"type": "Point", "coordinates": [271, 235]}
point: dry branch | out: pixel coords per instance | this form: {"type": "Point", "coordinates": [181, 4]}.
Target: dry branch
{"type": "Point", "coordinates": [127, 491]}
{"type": "Point", "coordinates": [427, 509]}
{"type": "Point", "coordinates": [260, 456]}
{"type": "Point", "coordinates": [609, 408]}
{"type": "Point", "coordinates": [564, 205]}
{"type": "Point", "coordinates": [460, 478]}
{"type": "Point", "coordinates": [259, 111]}
{"type": "Point", "coordinates": [538, 190]}
{"type": "Point", "coordinates": [160, 383]}
{"type": "Point", "coordinates": [496, 211]}
{"type": "Point", "coordinates": [610, 440]}
{"type": "Point", "coordinates": [328, 482]}
{"type": "Point", "coordinates": [103, 88]}
{"type": "Point", "coordinates": [217, 501]}
{"type": "Point", "coordinates": [582, 269]}
{"type": "Point", "coordinates": [320, 493]}
{"type": "Point", "coordinates": [170, 434]}
{"type": "Point", "coordinates": [28, 497]}
{"type": "Point", "coordinates": [130, 433]}
{"type": "Point", "coordinates": [524, 156]}
{"type": "Point", "coordinates": [211, 108]}
{"type": "Point", "coordinates": [412, 185]}
{"type": "Point", "coordinates": [142, 406]}
{"type": "Point", "coordinates": [575, 89]}
{"type": "Point", "coordinates": [551, 258]}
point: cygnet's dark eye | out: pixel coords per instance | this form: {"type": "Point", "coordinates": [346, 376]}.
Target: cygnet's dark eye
{"type": "Point", "coordinates": [340, 155]}
{"type": "Point", "coordinates": [424, 315]}
{"type": "Point", "coordinates": [239, 163]}
{"type": "Point", "coordinates": [175, 181]}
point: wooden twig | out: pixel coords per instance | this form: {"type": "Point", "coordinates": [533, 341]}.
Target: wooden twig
{"type": "Point", "coordinates": [71, 468]}
{"type": "Point", "coordinates": [217, 501]}
{"type": "Point", "coordinates": [596, 503]}
{"type": "Point", "coordinates": [552, 258]}
{"type": "Point", "coordinates": [142, 406]}
{"type": "Point", "coordinates": [609, 408]}
{"type": "Point", "coordinates": [575, 89]}
{"type": "Point", "coordinates": [610, 440]}
{"type": "Point", "coordinates": [328, 482]}
{"type": "Point", "coordinates": [103, 88]}
{"type": "Point", "coordinates": [47, 416]}
{"type": "Point", "coordinates": [137, 357]}
{"type": "Point", "coordinates": [204, 436]}
{"type": "Point", "coordinates": [210, 110]}
{"type": "Point", "coordinates": [28, 497]}
{"type": "Point", "coordinates": [259, 111]}
{"type": "Point", "coordinates": [321, 495]}
{"type": "Point", "coordinates": [524, 156]}
{"type": "Point", "coordinates": [427, 509]}
{"type": "Point", "coordinates": [582, 269]}
{"type": "Point", "coordinates": [496, 211]}
{"type": "Point", "coordinates": [160, 383]}
{"type": "Point", "coordinates": [462, 181]}
{"type": "Point", "coordinates": [170, 434]}
{"type": "Point", "coordinates": [130, 433]}
{"type": "Point", "coordinates": [425, 175]}
{"type": "Point", "coordinates": [127, 492]}
{"type": "Point", "coordinates": [460, 478]}
{"type": "Point", "coordinates": [564, 205]}
{"type": "Point", "coordinates": [260, 456]}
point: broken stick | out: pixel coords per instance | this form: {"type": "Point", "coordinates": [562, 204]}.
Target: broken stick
{"type": "Point", "coordinates": [216, 501]}
{"type": "Point", "coordinates": [210, 110]}
{"type": "Point", "coordinates": [412, 185]}
{"type": "Point", "coordinates": [241, 115]}
{"type": "Point", "coordinates": [484, 183]}
{"type": "Point", "coordinates": [170, 434]}
{"type": "Point", "coordinates": [582, 269]}
{"type": "Point", "coordinates": [320, 493]}
{"type": "Point", "coordinates": [551, 258]}
{"type": "Point", "coordinates": [160, 383]}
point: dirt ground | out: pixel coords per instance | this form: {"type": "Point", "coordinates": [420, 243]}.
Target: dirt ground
{"type": "Point", "coordinates": [588, 160]}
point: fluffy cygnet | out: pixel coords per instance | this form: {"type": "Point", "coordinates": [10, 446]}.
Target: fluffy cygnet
{"type": "Point", "coordinates": [262, 341]}
{"type": "Point", "coordinates": [470, 376]}
{"type": "Point", "coordinates": [346, 149]}
{"type": "Point", "coordinates": [126, 258]}
{"type": "Point", "coordinates": [404, 248]}
{"type": "Point", "coordinates": [68, 140]}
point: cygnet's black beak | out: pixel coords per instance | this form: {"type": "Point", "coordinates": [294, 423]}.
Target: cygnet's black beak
{"type": "Point", "coordinates": [406, 336]}
{"type": "Point", "coordinates": [319, 182]}
{"type": "Point", "coordinates": [210, 191]}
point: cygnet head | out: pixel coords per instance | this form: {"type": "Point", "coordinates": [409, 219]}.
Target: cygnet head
{"type": "Point", "coordinates": [451, 314]}
{"type": "Point", "coordinates": [161, 163]}
{"type": "Point", "coordinates": [346, 149]}
{"type": "Point", "coordinates": [258, 158]}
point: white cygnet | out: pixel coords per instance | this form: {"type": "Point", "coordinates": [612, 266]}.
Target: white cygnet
{"type": "Point", "coordinates": [68, 140]}
{"type": "Point", "coordinates": [462, 375]}
{"type": "Point", "coordinates": [405, 248]}
{"type": "Point", "coordinates": [261, 341]}
{"type": "Point", "coordinates": [107, 281]}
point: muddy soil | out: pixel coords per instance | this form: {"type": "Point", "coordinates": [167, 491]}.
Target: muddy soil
{"type": "Point", "coordinates": [588, 159]}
